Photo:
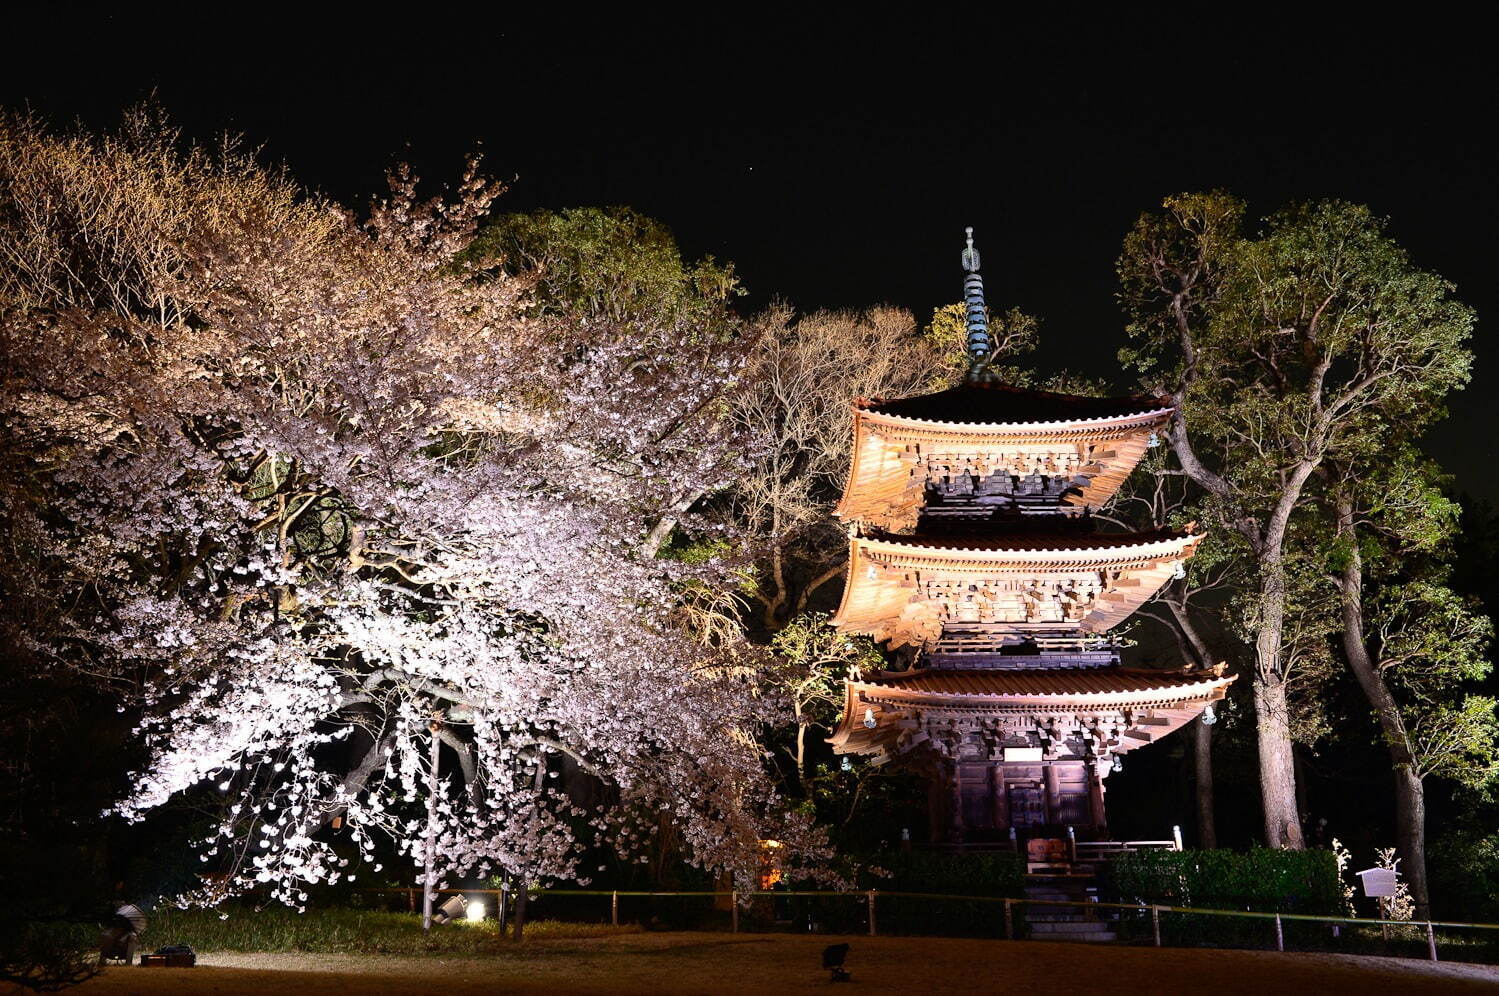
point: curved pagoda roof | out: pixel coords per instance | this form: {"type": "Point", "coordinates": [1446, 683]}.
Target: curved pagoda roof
{"type": "Point", "coordinates": [905, 589]}
{"type": "Point", "coordinates": [902, 446]}
{"type": "Point", "coordinates": [1135, 706]}
{"type": "Point", "coordinates": [986, 404]}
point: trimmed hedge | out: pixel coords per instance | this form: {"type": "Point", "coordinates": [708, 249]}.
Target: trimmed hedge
{"type": "Point", "coordinates": [1264, 879]}
{"type": "Point", "coordinates": [994, 873]}
{"type": "Point", "coordinates": [989, 874]}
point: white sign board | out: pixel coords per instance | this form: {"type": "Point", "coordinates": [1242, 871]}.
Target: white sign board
{"type": "Point", "coordinates": [1378, 881]}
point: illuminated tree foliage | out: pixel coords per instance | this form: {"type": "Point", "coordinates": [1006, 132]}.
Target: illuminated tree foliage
{"type": "Point", "coordinates": [326, 500]}
{"type": "Point", "coordinates": [1286, 351]}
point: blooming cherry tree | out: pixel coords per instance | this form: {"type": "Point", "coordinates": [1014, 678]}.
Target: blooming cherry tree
{"type": "Point", "coordinates": [367, 542]}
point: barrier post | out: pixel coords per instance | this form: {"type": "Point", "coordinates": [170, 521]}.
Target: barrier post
{"type": "Point", "coordinates": [1009, 920]}
{"type": "Point", "coordinates": [1431, 941]}
{"type": "Point", "coordinates": [1280, 938]}
{"type": "Point", "coordinates": [614, 908]}
{"type": "Point", "coordinates": [734, 911]}
{"type": "Point", "coordinates": [1155, 923]}
{"type": "Point", "coordinates": [871, 912]}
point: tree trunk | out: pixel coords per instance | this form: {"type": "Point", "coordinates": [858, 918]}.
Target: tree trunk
{"type": "Point", "coordinates": [522, 897]}
{"type": "Point", "coordinates": [520, 908]}
{"type": "Point", "coordinates": [1410, 835]}
{"type": "Point", "coordinates": [1273, 712]}
{"type": "Point", "coordinates": [1410, 790]}
{"type": "Point", "coordinates": [429, 846]}
{"type": "Point", "coordinates": [801, 750]}
{"type": "Point", "coordinates": [1277, 763]}
{"type": "Point", "coordinates": [1202, 758]}
{"type": "Point", "coordinates": [1202, 746]}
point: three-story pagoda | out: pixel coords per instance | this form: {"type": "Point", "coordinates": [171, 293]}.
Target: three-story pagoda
{"type": "Point", "coordinates": [974, 558]}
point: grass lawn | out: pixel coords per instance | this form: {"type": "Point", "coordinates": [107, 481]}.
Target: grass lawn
{"type": "Point", "coordinates": [561, 960]}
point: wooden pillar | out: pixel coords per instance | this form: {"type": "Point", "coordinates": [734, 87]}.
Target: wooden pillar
{"type": "Point", "coordinates": [955, 801]}
{"type": "Point", "coordinates": [936, 803]}
{"type": "Point", "coordinates": [997, 795]}
{"type": "Point", "coordinates": [1095, 799]}
{"type": "Point", "coordinates": [1052, 795]}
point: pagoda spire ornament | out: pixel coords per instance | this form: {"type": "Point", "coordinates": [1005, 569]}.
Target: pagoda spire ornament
{"type": "Point", "coordinates": [980, 342]}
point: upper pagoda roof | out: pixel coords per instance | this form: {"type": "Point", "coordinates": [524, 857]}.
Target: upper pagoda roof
{"type": "Point", "coordinates": [980, 404]}
{"type": "Point", "coordinates": [900, 447]}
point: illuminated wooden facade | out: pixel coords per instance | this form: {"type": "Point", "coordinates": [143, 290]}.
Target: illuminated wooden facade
{"type": "Point", "coordinates": [973, 557]}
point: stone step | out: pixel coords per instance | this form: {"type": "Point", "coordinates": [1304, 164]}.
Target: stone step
{"type": "Point", "coordinates": [1067, 918]}
{"type": "Point", "coordinates": [1058, 897]}
{"type": "Point", "coordinates": [1070, 927]}
{"type": "Point", "coordinates": [1101, 937]}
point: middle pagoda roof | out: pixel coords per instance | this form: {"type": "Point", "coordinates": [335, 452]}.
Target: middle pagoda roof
{"type": "Point", "coordinates": [906, 590]}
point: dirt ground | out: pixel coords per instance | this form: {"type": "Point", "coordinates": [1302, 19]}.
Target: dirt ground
{"type": "Point", "coordinates": [755, 963]}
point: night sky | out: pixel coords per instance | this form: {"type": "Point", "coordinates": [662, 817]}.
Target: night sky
{"type": "Point", "coordinates": [836, 158]}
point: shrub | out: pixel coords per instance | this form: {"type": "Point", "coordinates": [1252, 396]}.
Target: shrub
{"type": "Point", "coordinates": [998, 873]}
{"type": "Point", "coordinates": [1264, 879]}
{"type": "Point", "coordinates": [991, 875]}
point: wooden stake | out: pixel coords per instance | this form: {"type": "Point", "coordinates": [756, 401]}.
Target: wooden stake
{"type": "Point", "coordinates": [614, 909]}
{"type": "Point", "coordinates": [1155, 924]}
{"type": "Point", "coordinates": [871, 912]}
{"type": "Point", "coordinates": [1009, 921]}
{"type": "Point", "coordinates": [734, 910]}
{"type": "Point", "coordinates": [1280, 938]}
{"type": "Point", "coordinates": [1431, 941]}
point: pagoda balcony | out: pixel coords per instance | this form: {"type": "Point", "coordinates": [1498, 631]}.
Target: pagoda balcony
{"type": "Point", "coordinates": [968, 646]}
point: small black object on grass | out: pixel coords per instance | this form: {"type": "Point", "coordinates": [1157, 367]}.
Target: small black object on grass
{"type": "Point", "coordinates": [832, 960]}
{"type": "Point", "coordinates": [171, 956]}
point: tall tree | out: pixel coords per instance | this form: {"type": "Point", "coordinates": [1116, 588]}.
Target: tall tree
{"type": "Point", "coordinates": [800, 380]}
{"type": "Point", "coordinates": [1282, 351]}
{"type": "Point", "coordinates": [1414, 646]}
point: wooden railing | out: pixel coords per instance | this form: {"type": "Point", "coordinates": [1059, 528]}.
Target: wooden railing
{"type": "Point", "coordinates": [868, 899]}
{"type": "Point", "coordinates": [1103, 850]}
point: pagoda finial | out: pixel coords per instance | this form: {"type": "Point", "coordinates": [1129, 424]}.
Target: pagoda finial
{"type": "Point", "coordinates": [980, 345]}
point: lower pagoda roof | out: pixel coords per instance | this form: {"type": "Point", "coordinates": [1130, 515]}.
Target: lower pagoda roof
{"type": "Point", "coordinates": [1142, 705]}
{"type": "Point", "coordinates": [1043, 686]}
